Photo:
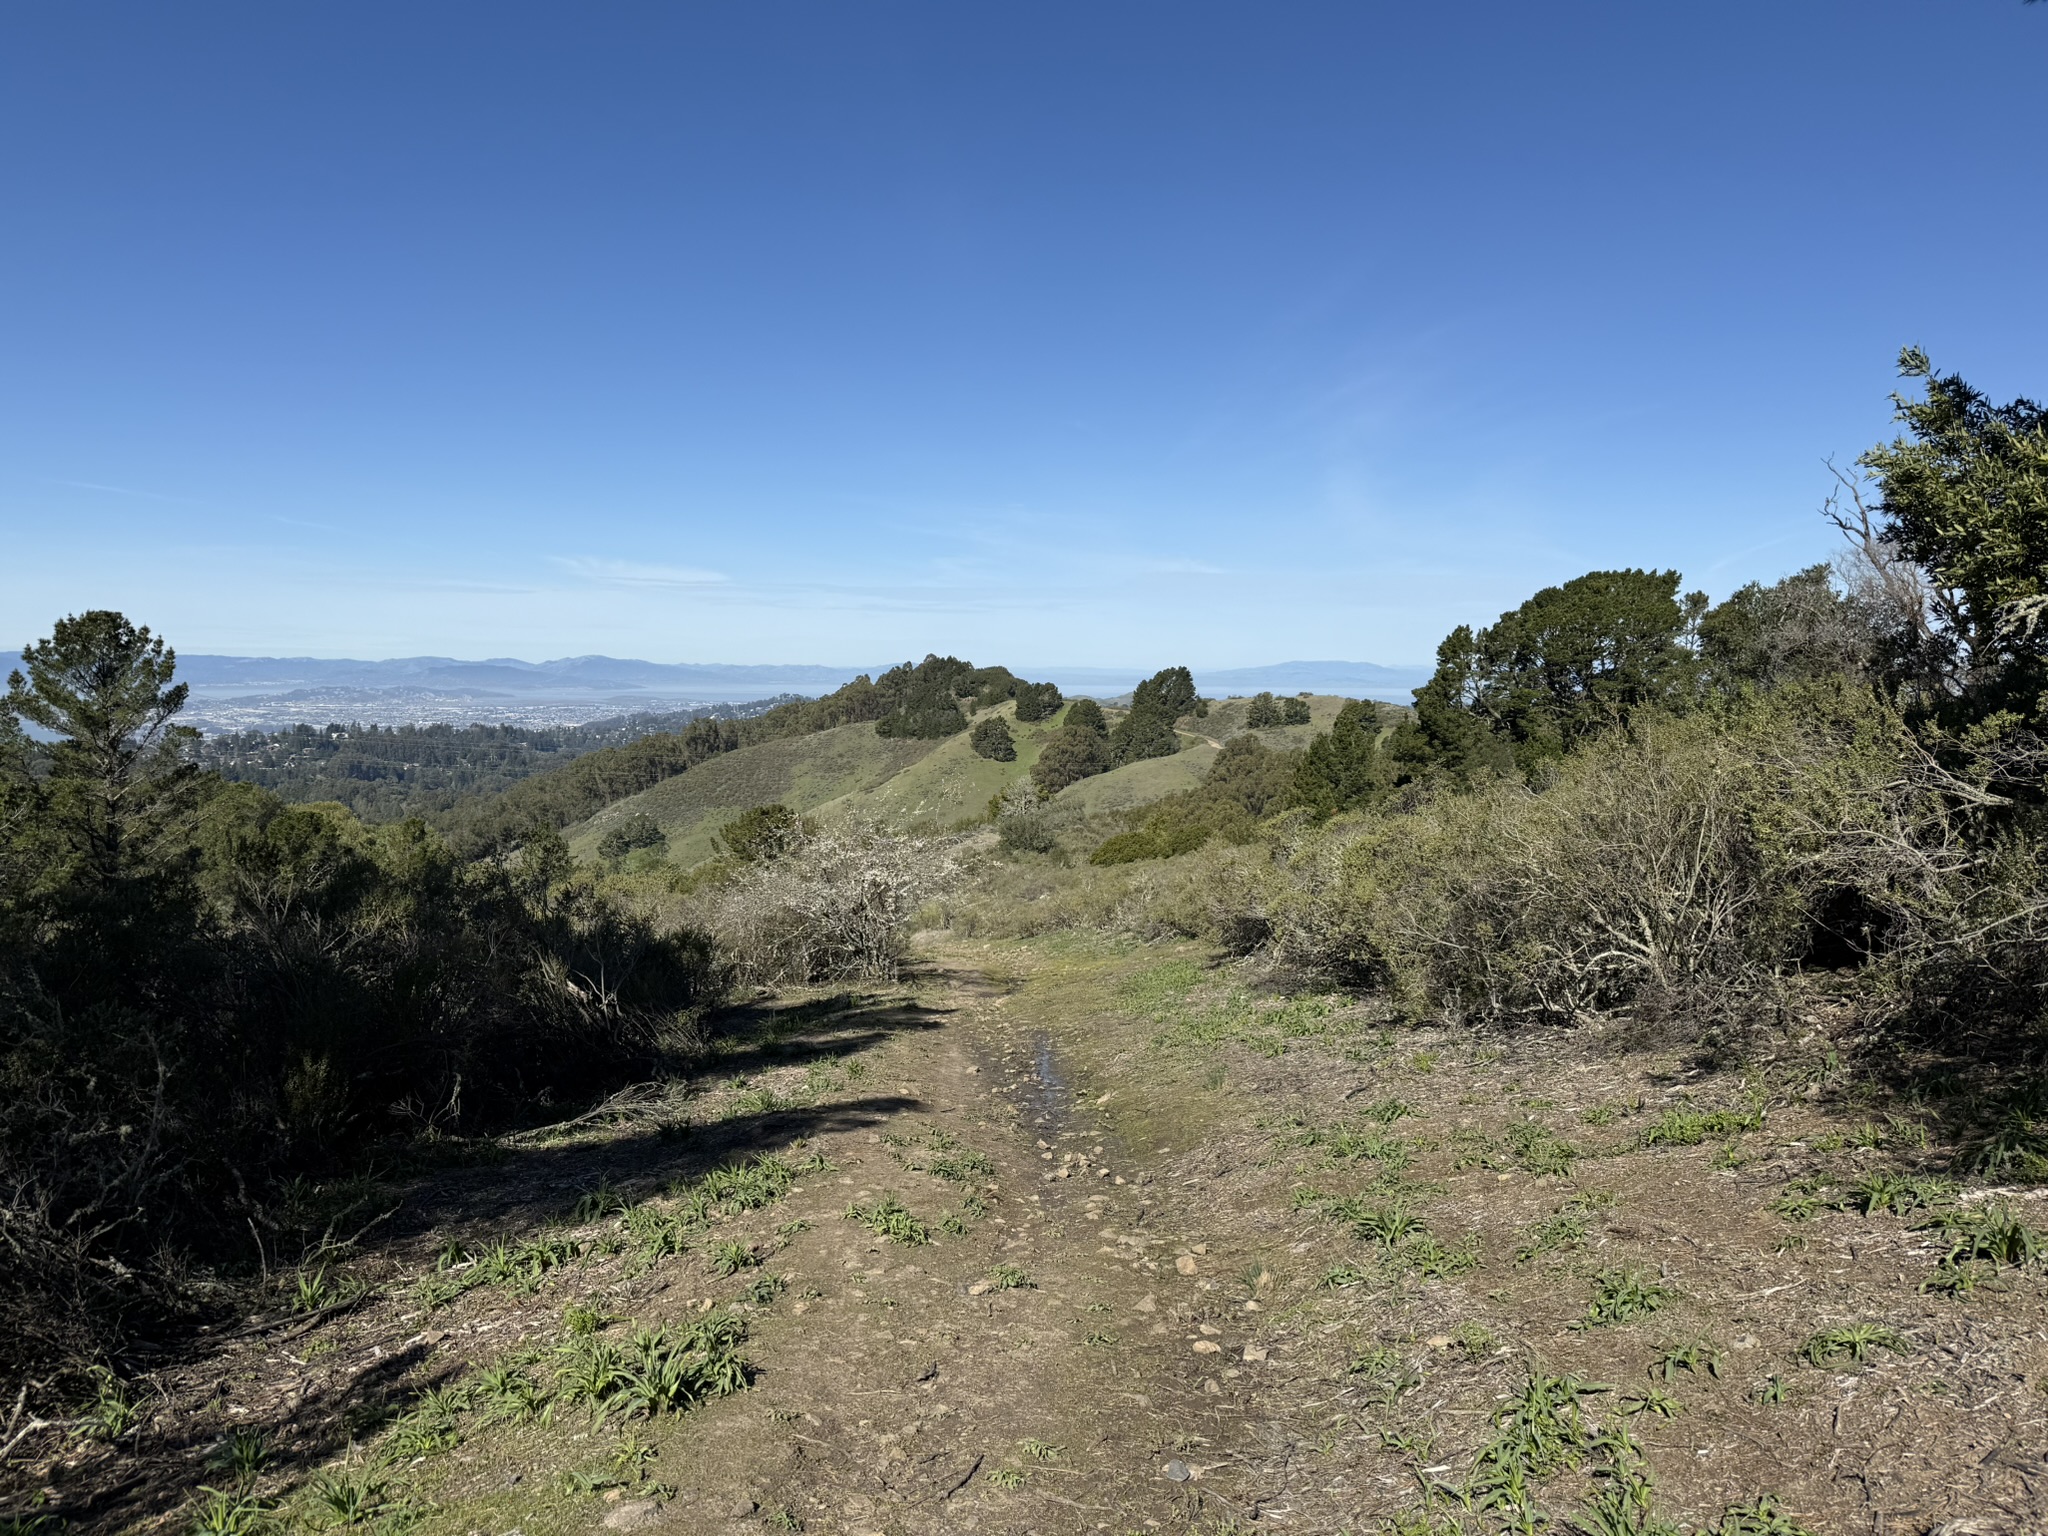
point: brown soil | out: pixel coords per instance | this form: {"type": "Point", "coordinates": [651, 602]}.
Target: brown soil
{"type": "Point", "coordinates": [1176, 1358]}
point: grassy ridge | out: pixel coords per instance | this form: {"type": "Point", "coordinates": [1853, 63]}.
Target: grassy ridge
{"type": "Point", "coordinates": [912, 784]}
{"type": "Point", "coordinates": [802, 772]}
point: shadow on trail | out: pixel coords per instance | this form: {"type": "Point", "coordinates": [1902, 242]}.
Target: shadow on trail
{"type": "Point", "coordinates": [541, 1184]}
{"type": "Point", "coordinates": [524, 1187]}
{"type": "Point", "coordinates": [535, 1184]}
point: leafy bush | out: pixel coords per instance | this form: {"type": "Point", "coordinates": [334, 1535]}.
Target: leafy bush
{"type": "Point", "coordinates": [761, 832]}
{"type": "Point", "coordinates": [1263, 713]}
{"type": "Point", "coordinates": [1037, 701]}
{"type": "Point", "coordinates": [1686, 863]}
{"type": "Point", "coordinates": [1294, 711]}
{"type": "Point", "coordinates": [1086, 715]}
{"type": "Point", "coordinates": [991, 739]}
{"type": "Point", "coordinates": [622, 838]}
{"type": "Point", "coordinates": [1245, 782]}
{"type": "Point", "coordinates": [1070, 754]}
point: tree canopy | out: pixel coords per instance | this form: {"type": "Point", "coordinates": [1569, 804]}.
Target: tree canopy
{"type": "Point", "coordinates": [1570, 662]}
{"type": "Point", "coordinates": [1345, 767]}
{"type": "Point", "coordinates": [1963, 497]}
{"type": "Point", "coordinates": [1146, 729]}
{"type": "Point", "coordinates": [991, 739]}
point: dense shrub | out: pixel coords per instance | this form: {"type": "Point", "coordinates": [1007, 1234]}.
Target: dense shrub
{"type": "Point", "coordinates": [1086, 715]}
{"type": "Point", "coordinates": [634, 832]}
{"type": "Point", "coordinates": [1683, 863]}
{"type": "Point", "coordinates": [761, 832]}
{"type": "Point", "coordinates": [1246, 782]}
{"type": "Point", "coordinates": [1294, 711]}
{"type": "Point", "coordinates": [1038, 701]}
{"type": "Point", "coordinates": [1262, 713]}
{"type": "Point", "coordinates": [1070, 754]}
{"type": "Point", "coordinates": [991, 739]}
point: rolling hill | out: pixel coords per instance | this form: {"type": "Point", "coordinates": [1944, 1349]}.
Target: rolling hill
{"type": "Point", "coordinates": [802, 772]}
{"type": "Point", "coordinates": [911, 784]}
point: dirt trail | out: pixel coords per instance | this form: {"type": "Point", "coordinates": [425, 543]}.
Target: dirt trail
{"type": "Point", "coordinates": [1168, 1255]}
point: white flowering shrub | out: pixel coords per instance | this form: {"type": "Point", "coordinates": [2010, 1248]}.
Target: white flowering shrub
{"type": "Point", "coordinates": [835, 905]}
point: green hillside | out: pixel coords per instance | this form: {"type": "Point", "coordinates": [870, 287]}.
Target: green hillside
{"type": "Point", "coordinates": [1141, 783]}
{"type": "Point", "coordinates": [909, 783]}
{"type": "Point", "coordinates": [948, 786]}
{"type": "Point", "coordinates": [802, 772]}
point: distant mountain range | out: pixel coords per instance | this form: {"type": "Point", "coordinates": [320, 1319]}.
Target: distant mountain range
{"type": "Point", "coordinates": [271, 692]}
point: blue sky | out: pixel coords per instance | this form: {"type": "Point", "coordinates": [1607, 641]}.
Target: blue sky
{"type": "Point", "coordinates": [1082, 333]}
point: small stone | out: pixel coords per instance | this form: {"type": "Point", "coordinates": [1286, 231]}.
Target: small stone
{"type": "Point", "coordinates": [633, 1515]}
{"type": "Point", "coordinates": [740, 1508]}
{"type": "Point", "coordinates": [1201, 1248]}
{"type": "Point", "coordinates": [1119, 1178]}
{"type": "Point", "coordinates": [1438, 1341]}
{"type": "Point", "coordinates": [1147, 1304]}
{"type": "Point", "coordinates": [1744, 1341]}
{"type": "Point", "coordinates": [1254, 1353]}
{"type": "Point", "coordinates": [1211, 1329]}
{"type": "Point", "coordinates": [1177, 1472]}
{"type": "Point", "coordinates": [980, 1288]}
{"type": "Point", "coordinates": [1208, 1347]}
{"type": "Point", "coordinates": [1185, 1264]}
{"type": "Point", "coordinates": [1213, 1387]}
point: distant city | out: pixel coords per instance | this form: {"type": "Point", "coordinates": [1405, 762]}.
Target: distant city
{"type": "Point", "coordinates": [268, 693]}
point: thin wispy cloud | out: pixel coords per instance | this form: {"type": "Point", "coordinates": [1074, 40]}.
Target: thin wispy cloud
{"type": "Point", "coordinates": [632, 573]}
{"type": "Point", "coordinates": [121, 490]}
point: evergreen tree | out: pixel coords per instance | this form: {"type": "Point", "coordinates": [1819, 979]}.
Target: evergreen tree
{"type": "Point", "coordinates": [1796, 630]}
{"type": "Point", "coordinates": [1294, 711]}
{"type": "Point", "coordinates": [1070, 754]}
{"type": "Point", "coordinates": [103, 688]}
{"type": "Point", "coordinates": [1262, 713]}
{"type": "Point", "coordinates": [1571, 661]}
{"type": "Point", "coordinates": [991, 739]}
{"type": "Point", "coordinates": [1086, 715]}
{"type": "Point", "coordinates": [1037, 701]}
{"type": "Point", "coordinates": [1345, 768]}
{"type": "Point", "coordinates": [635, 832]}
{"type": "Point", "coordinates": [1146, 729]}
{"type": "Point", "coordinates": [927, 698]}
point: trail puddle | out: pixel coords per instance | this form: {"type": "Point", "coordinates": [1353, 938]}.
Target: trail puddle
{"type": "Point", "coordinates": [1052, 1101]}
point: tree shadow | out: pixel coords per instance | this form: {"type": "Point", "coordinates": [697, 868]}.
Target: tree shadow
{"type": "Point", "coordinates": [525, 1187]}
{"type": "Point", "coordinates": [537, 1183]}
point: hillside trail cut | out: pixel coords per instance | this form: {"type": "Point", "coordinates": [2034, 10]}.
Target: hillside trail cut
{"type": "Point", "coordinates": [1081, 1235]}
